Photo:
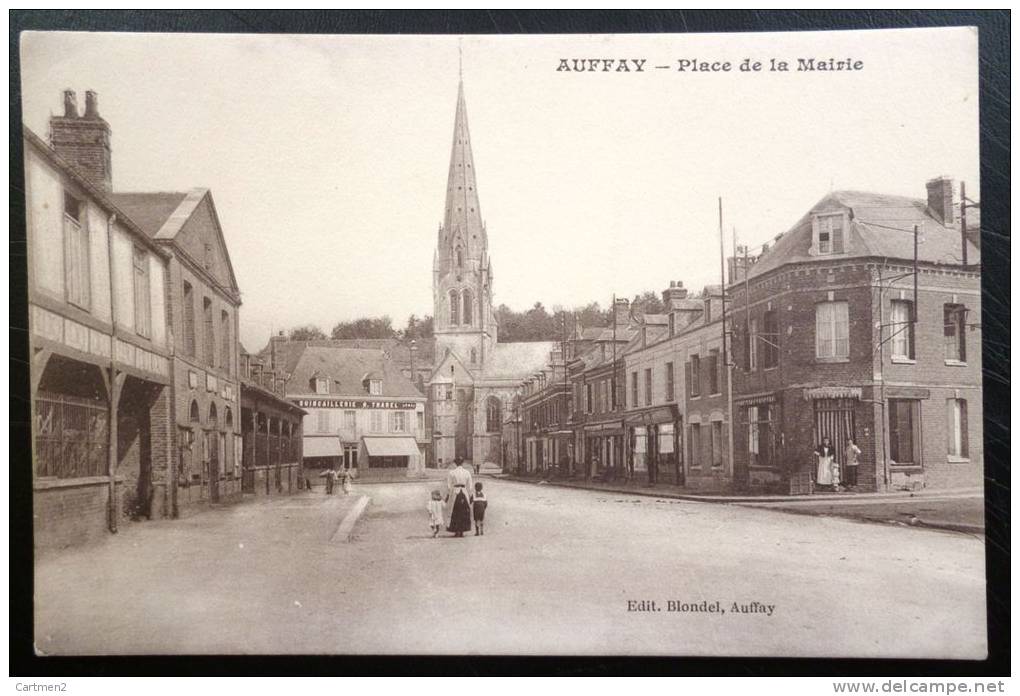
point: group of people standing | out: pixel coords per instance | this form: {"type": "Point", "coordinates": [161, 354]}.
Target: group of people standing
{"type": "Point", "coordinates": [337, 479]}
{"type": "Point", "coordinates": [466, 501]}
{"type": "Point", "coordinates": [828, 472]}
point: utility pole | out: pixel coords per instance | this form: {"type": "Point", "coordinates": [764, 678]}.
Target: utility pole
{"type": "Point", "coordinates": [725, 352]}
{"type": "Point", "coordinates": [964, 204]}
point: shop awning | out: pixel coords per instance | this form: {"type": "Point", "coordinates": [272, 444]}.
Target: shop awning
{"type": "Point", "coordinates": [321, 447]}
{"type": "Point", "coordinates": [391, 446]}
{"type": "Point", "coordinates": [660, 414]}
{"type": "Point", "coordinates": [832, 393]}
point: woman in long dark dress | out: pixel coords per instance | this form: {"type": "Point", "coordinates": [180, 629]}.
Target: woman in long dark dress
{"type": "Point", "coordinates": [459, 487]}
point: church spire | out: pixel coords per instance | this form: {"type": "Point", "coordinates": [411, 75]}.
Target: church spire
{"type": "Point", "coordinates": [462, 222]}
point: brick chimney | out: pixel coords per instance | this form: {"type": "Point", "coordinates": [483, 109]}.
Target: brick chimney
{"type": "Point", "coordinates": [940, 199]}
{"type": "Point", "coordinates": [275, 356]}
{"type": "Point", "coordinates": [621, 312]}
{"type": "Point", "coordinates": [84, 140]}
{"type": "Point", "coordinates": [672, 295]}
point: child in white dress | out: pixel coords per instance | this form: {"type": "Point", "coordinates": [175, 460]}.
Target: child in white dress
{"type": "Point", "coordinates": [435, 508]}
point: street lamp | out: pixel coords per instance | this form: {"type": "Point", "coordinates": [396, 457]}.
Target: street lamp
{"type": "Point", "coordinates": [413, 350]}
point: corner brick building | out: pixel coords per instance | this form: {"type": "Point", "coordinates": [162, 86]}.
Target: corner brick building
{"type": "Point", "coordinates": [828, 341]}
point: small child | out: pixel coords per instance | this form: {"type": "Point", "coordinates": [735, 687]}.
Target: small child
{"type": "Point", "coordinates": [478, 508]}
{"type": "Point", "coordinates": [435, 508]}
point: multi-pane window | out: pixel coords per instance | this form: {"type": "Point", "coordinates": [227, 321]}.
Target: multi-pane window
{"type": "Point", "coordinates": [695, 444]}
{"type": "Point", "coordinates": [830, 234]}
{"type": "Point", "coordinates": [322, 420]}
{"type": "Point", "coordinates": [350, 420]}
{"type": "Point", "coordinates": [589, 400]}
{"type": "Point", "coordinates": [375, 387]}
{"type": "Point", "coordinates": [904, 431]}
{"type": "Point", "coordinates": [902, 329]}
{"type": "Point", "coordinates": [648, 386]}
{"type": "Point", "coordinates": [832, 330]}
{"type": "Point", "coordinates": [76, 252]}
{"type": "Point", "coordinates": [398, 422]}
{"type": "Point", "coordinates": [420, 422]}
{"type": "Point", "coordinates": [670, 383]}
{"type": "Point", "coordinates": [612, 393]}
{"type": "Point", "coordinates": [208, 339]}
{"type": "Point", "coordinates": [713, 371]}
{"type": "Point", "coordinates": [956, 421]}
{"type": "Point", "coordinates": [954, 322]}
{"type": "Point", "coordinates": [717, 443]}
{"type": "Point", "coordinates": [375, 421]}
{"type": "Point", "coordinates": [188, 298]}
{"type": "Point", "coordinates": [769, 340]}
{"type": "Point", "coordinates": [633, 389]}
{"type": "Point", "coordinates": [225, 343]}
{"type": "Point", "coordinates": [143, 301]}
{"type": "Point", "coordinates": [604, 396]}
{"type": "Point", "coordinates": [695, 380]}
{"type": "Point", "coordinates": [321, 385]}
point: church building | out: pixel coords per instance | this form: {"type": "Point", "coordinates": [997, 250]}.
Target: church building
{"type": "Point", "coordinates": [475, 377]}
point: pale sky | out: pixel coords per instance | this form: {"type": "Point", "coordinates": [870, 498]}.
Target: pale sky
{"type": "Point", "coordinates": [327, 156]}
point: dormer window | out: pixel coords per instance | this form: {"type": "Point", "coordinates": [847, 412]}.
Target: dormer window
{"type": "Point", "coordinates": [375, 387]}
{"type": "Point", "coordinates": [321, 385]}
{"type": "Point", "coordinates": [830, 237]}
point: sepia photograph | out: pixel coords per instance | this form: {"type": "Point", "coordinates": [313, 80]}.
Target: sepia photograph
{"type": "Point", "coordinates": [716, 364]}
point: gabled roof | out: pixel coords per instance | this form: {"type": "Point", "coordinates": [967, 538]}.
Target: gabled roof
{"type": "Point", "coordinates": [150, 210]}
{"type": "Point", "coordinates": [880, 226]}
{"type": "Point", "coordinates": [347, 368]}
{"type": "Point", "coordinates": [164, 214]}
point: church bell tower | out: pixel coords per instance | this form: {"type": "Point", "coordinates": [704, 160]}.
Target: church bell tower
{"type": "Point", "coordinates": [464, 321]}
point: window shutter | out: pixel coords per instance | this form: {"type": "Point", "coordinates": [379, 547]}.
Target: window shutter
{"type": "Point", "coordinates": [964, 439]}
{"type": "Point", "coordinates": [687, 378]}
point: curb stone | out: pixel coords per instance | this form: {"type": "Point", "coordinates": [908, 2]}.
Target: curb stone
{"type": "Point", "coordinates": [346, 529]}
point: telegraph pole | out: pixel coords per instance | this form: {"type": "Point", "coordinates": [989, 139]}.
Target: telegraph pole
{"type": "Point", "coordinates": [725, 352]}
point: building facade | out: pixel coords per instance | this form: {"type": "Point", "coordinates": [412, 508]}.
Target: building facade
{"type": "Point", "coordinates": [271, 432]}
{"type": "Point", "coordinates": [362, 414]}
{"type": "Point", "coordinates": [204, 302]}
{"type": "Point", "coordinates": [862, 322]}
{"type": "Point", "coordinates": [101, 393]}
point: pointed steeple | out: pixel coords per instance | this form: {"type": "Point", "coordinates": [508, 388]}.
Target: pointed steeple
{"type": "Point", "coordinates": [462, 221]}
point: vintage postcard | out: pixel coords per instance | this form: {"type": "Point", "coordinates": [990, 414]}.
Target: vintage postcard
{"type": "Point", "coordinates": [709, 385]}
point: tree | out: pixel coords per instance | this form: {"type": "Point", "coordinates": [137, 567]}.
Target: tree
{"type": "Point", "coordinates": [308, 332]}
{"type": "Point", "coordinates": [647, 302]}
{"type": "Point", "coordinates": [365, 327]}
{"type": "Point", "coordinates": [417, 328]}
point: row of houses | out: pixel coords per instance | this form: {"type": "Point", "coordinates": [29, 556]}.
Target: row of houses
{"type": "Point", "coordinates": [862, 321]}
{"type": "Point", "coordinates": [142, 404]}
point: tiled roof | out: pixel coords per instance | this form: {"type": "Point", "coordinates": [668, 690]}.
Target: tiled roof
{"type": "Point", "coordinates": [149, 210]}
{"type": "Point", "coordinates": [399, 351]}
{"type": "Point", "coordinates": [518, 360]}
{"type": "Point", "coordinates": [881, 226]}
{"type": "Point", "coordinates": [346, 369]}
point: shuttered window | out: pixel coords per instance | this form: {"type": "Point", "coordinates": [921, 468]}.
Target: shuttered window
{"type": "Point", "coordinates": [76, 253]}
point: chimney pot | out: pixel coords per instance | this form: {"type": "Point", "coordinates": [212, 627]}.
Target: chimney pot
{"type": "Point", "coordinates": [70, 104]}
{"type": "Point", "coordinates": [91, 105]}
